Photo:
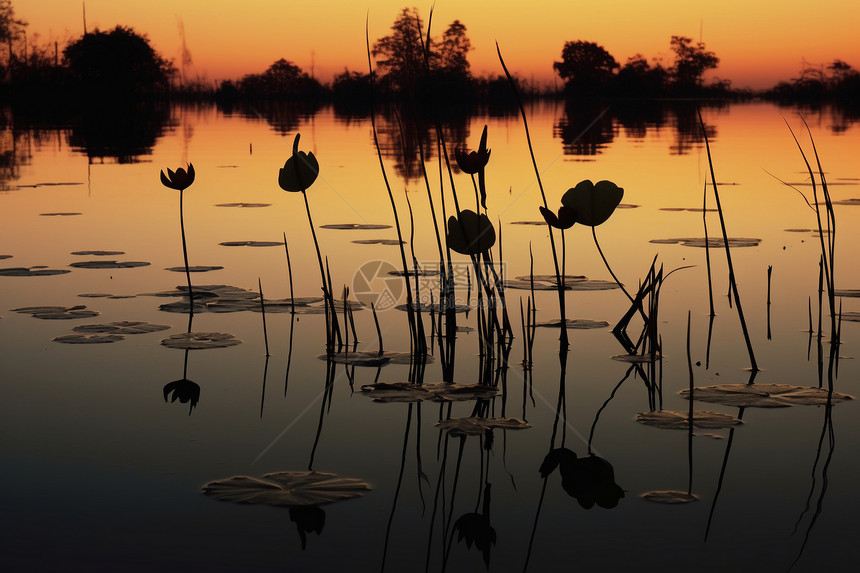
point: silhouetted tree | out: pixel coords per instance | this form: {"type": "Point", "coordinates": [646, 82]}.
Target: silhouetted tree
{"type": "Point", "coordinates": [638, 78]}
{"type": "Point", "coordinates": [117, 63]}
{"type": "Point", "coordinates": [587, 68]}
{"type": "Point", "coordinates": [691, 63]}
{"type": "Point", "coordinates": [401, 53]}
{"type": "Point", "coordinates": [403, 67]}
{"type": "Point", "coordinates": [282, 80]}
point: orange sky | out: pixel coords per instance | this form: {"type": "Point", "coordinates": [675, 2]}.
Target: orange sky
{"type": "Point", "coordinates": [759, 42]}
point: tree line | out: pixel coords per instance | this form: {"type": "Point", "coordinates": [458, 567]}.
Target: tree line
{"type": "Point", "coordinates": [410, 65]}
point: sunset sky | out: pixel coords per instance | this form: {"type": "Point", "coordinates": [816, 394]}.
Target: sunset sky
{"type": "Point", "coordinates": [759, 42]}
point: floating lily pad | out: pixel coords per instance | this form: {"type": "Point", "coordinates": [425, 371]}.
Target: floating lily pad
{"type": "Point", "coordinates": [34, 185]}
{"type": "Point", "coordinates": [437, 392]}
{"type": "Point", "coordinates": [251, 244]}
{"type": "Point", "coordinates": [713, 242]}
{"type": "Point", "coordinates": [244, 205]}
{"type": "Point", "coordinates": [851, 316]}
{"type": "Point", "coordinates": [853, 201]}
{"type": "Point", "coordinates": [200, 340]}
{"type": "Point", "coordinates": [95, 295]}
{"type": "Point", "coordinates": [571, 282]}
{"type": "Point", "coordinates": [671, 420]}
{"type": "Point", "coordinates": [436, 307]}
{"type": "Point", "coordinates": [576, 323]}
{"type": "Point", "coordinates": [370, 357]}
{"type": "Point", "coordinates": [635, 358]}
{"type": "Point", "coordinates": [478, 426]}
{"type": "Point", "coordinates": [31, 272]}
{"type": "Point", "coordinates": [109, 264]}
{"type": "Point", "coordinates": [5, 257]}
{"type": "Point", "coordinates": [418, 272]}
{"type": "Point", "coordinates": [286, 489]}
{"type": "Point", "coordinates": [354, 226]}
{"type": "Point", "coordinates": [534, 223]}
{"type": "Point", "coordinates": [88, 338]}
{"type": "Point", "coordinates": [690, 209]}
{"type": "Point", "coordinates": [122, 327]}
{"type": "Point", "coordinates": [59, 214]}
{"type": "Point", "coordinates": [57, 312]}
{"type": "Point", "coordinates": [98, 253]}
{"type": "Point", "coordinates": [764, 395]}
{"type": "Point", "coordinates": [798, 230]}
{"type": "Point", "coordinates": [670, 497]}
{"type": "Point", "coordinates": [194, 269]}
{"type": "Point", "coordinates": [627, 206]}
{"type": "Point", "coordinates": [848, 293]}
{"type": "Point", "coordinates": [379, 242]}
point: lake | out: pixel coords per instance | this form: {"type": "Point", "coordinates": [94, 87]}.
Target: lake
{"type": "Point", "coordinates": [105, 472]}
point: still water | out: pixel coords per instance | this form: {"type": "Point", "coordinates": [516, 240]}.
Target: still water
{"type": "Point", "coordinates": [101, 472]}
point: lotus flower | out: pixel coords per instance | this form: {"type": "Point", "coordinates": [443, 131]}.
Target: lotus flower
{"type": "Point", "coordinates": [179, 179]}
{"type": "Point", "coordinates": [593, 203]}
{"type": "Point", "coordinates": [183, 390]}
{"type": "Point", "coordinates": [470, 234]}
{"type": "Point", "coordinates": [300, 170]}
{"type": "Point", "coordinates": [476, 162]}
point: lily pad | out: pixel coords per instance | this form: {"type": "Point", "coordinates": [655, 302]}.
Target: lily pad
{"type": "Point", "coordinates": [764, 395]}
{"type": "Point", "coordinates": [98, 253]}
{"type": "Point", "coordinates": [627, 206]}
{"type": "Point", "coordinates": [671, 420]}
{"type": "Point", "coordinates": [437, 392]}
{"type": "Point", "coordinates": [286, 489]}
{"type": "Point", "coordinates": [847, 293]}
{"type": "Point", "coordinates": [354, 226]}
{"type": "Point", "coordinates": [670, 496]}
{"type": "Point", "coordinates": [533, 223]}
{"type": "Point", "coordinates": [635, 358]}
{"type": "Point", "coordinates": [57, 312]}
{"type": "Point", "coordinates": [690, 209]}
{"type": "Point", "coordinates": [194, 269]}
{"type": "Point", "coordinates": [478, 426]}
{"type": "Point", "coordinates": [436, 307]}
{"type": "Point", "coordinates": [571, 283]}
{"type": "Point", "coordinates": [576, 323]}
{"type": "Point", "coordinates": [713, 242]}
{"type": "Point", "coordinates": [31, 272]}
{"type": "Point", "coordinates": [244, 205]}
{"type": "Point", "coordinates": [59, 214]}
{"type": "Point", "coordinates": [122, 327]}
{"type": "Point", "coordinates": [5, 257]}
{"type": "Point", "coordinates": [200, 340]}
{"type": "Point", "coordinates": [109, 264]}
{"type": "Point", "coordinates": [378, 242]}
{"type": "Point", "coordinates": [88, 338]}
{"type": "Point", "coordinates": [851, 316]}
{"type": "Point", "coordinates": [51, 184]}
{"type": "Point", "coordinates": [798, 230]}
{"type": "Point", "coordinates": [370, 357]}
{"type": "Point", "coordinates": [251, 244]}
{"type": "Point", "coordinates": [418, 272]}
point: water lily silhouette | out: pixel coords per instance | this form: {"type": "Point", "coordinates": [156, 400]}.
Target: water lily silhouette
{"type": "Point", "coordinates": [564, 220]}
{"type": "Point", "coordinates": [308, 519]}
{"type": "Point", "coordinates": [475, 528]}
{"type": "Point", "coordinates": [589, 480]}
{"type": "Point", "coordinates": [593, 203]}
{"type": "Point", "coordinates": [183, 390]}
{"type": "Point", "coordinates": [180, 179]}
{"type": "Point", "coordinates": [470, 233]}
{"type": "Point", "coordinates": [299, 171]}
{"type": "Point", "coordinates": [476, 162]}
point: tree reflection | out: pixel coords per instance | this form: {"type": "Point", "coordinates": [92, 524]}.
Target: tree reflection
{"type": "Point", "coordinates": [586, 128]}
{"type": "Point", "coordinates": [120, 132]}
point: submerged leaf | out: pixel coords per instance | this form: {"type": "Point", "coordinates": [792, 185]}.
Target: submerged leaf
{"type": "Point", "coordinates": [287, 489]}
{"type": "Point", "coordinates": [764, 395]}
{"type": "Point", "coordinates": [671, 420]}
